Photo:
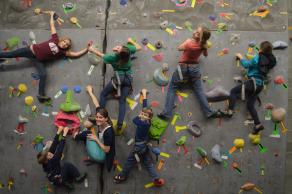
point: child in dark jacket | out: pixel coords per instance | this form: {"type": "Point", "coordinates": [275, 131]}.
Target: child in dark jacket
{"type": "Point", "coordinates": [257, 69]}
{"type": "Point", "coordinates": [51, 160]}
{"type": "Point", "coordinates": [141, 151]}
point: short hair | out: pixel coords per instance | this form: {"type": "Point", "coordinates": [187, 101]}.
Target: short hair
{"type": "Point", "coordinates": [266, 47]}
{"type": "Point", "coordinates": [148, 111]}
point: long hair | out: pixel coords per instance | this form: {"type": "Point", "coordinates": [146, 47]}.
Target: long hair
{"type": "Point", "coordinates": [124, 56]}
{"type": "Point", "coordinates": [105, 114]}
{"type": "Point", "coordinates": [205, 36]}
{"type": "Point", "coordinates": [42, 157]}
{"type": "Point", "coordinates": [66, 38]}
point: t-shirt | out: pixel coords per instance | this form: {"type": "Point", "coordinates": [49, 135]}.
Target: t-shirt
{"type": "Point", "coordinates": [252, 67]}
{"type": "Point", "coordinates": [48, 50]}
{"type": "Point", "coordinates": [109, 140]}
{"type": "Point", "coordinates": [143, 127]}
{"type": "Point", "coordinates": [192, 53]}
{"type": "Point", "coordinates": [113, 59]}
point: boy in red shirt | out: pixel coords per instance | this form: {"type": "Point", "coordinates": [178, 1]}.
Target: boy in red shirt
{"type": "Point", "coordinates": [55, 48]}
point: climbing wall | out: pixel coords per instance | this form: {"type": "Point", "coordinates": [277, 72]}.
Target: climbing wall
{"type": "Point", "coordinates": [141, 19]}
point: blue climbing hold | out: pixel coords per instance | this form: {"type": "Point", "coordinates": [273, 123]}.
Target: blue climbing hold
{"type": "Point", "coordinates": [77, 89]}
{"type": "Point", "coordinates": [64, 89]}
{"type": "Point", "coordinates": [212, 17]}
{"type": "Point", "coordinates": [123, 2]}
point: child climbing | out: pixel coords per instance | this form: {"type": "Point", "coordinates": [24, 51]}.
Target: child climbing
{"type": "Point", "coordinates": [103, 138]}
{"type": "Point", "coordinates": [51, 160]}
{"type": "Point", "coordinates": [141, 151]}
{"type": "Point", "coordinates": [121, 82]}
{"type": "Point", "coordinates": [188, 70]}
{"type": "Point", "coordinates": [257, 70]}
{"type": "Point", "coordinates": [55, 48]}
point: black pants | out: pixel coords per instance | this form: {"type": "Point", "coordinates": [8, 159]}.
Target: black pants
{"type": "Point", "coordinates": [69, 172]}
{"type": "Point", "coordinates": [251, 97]}
{"type": "Point", "coordinates": [27, 53]}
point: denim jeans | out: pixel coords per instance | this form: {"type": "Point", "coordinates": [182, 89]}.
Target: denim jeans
{"type": "Point", "coordinates": [126, 82]}
{"type": "Point", "coordinates": [27, 53]}
{"type": "Point", "coordinates": [145, 157]}
{"type": "Point", "coordinates": [251, 97]}
{"type": "Point", "coordinates": [193, 74]}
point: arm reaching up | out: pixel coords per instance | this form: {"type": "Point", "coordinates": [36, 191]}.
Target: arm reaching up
{"type": "Point", "coordinates": [131, 41]}
{"type": "Point", "coordinates": [52, 23]}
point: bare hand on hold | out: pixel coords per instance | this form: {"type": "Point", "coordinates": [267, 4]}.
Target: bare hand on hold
{"type": "Point", "coordinates": [144, 93]}
{"type": "Point", "coordinates": [239, 56]}
{"type": "Point", "coordinates": [66, 129]}
{"type": "Point", "coordinates": [90, 48]}
{"type": "Point", "coordinates": [60, 129]}
{"type": "Point", "coordinates": [51, 13]}
{"type": "Point", "coordinates": [130, 40]}
{"type": "Point", "coordinates": [89, 89]}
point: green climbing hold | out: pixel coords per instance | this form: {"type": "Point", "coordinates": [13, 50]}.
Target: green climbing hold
{"type": "Point", "coordinates": [182, 140]}
{"type": "Point", "coordinates": [201, 151]}
{"type": "Point", "coordinates": [12, 42]}
{"type": "Point", "coordinates": [69, 105]}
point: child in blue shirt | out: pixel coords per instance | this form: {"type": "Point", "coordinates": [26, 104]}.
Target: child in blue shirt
{"type": "Point", "coordinates": [141, 151]}
{"type": "Point", "coordinates": [257, 69]}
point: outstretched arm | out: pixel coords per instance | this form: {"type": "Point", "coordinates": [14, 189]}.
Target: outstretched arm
{"type": "Point", "coordinates": [95, 51]}
{"type": "Point", "coordinates": [131, 41]}
{"type": "Point", "coordinates": [92, 96]}
{"type": "Point", "coordinates": [144, 95]}
{"type": "Point", "coordinates": [52, 22]}
{"type": "Point", "coordinates": [76, 54]}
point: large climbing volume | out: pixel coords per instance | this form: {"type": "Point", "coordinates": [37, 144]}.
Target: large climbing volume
{"type": "Point", "coordinates": [157, 128]}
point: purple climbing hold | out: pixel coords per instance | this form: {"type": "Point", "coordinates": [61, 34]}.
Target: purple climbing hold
{"type": "Point", "coordinates": [77, 89]}
{"type": "Point", "coordinates": [123, 2]}
{"type": "Point", "coordinates": [144, 41]}
{"type": "Point", "coordinates": [64, 89]}
{"type": "Point", "coordinates": [212, 17]}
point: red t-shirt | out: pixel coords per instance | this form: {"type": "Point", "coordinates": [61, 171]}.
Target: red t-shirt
{"type": "Point", "coordinates": [192, 53]}
{"type": "Point", "coordinates": [48, 50]}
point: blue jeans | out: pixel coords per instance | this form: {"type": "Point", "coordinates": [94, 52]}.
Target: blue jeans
{"type": "Point", "coordinates": [194, 76]}
{"type": "Point", "coordinates": [145, 157]}
{"type": "Point", "coordinates": [126, 83]}
{"type": "Point", "coordinates": [27, 53]}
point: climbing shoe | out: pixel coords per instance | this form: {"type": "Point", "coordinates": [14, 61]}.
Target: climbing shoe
{"type": "Point", "coordinates": [159, 182]}
{"type": "Point", "coordinates": [256, 130]}
{"type": "Point", "coordinates": [81, 177]}
{"type": "Point", "coordinates": [163, 117]}
{"type": "Point", "coordinates": [43, 99]}
{"type": "Point", "coordinates": [214, 114]}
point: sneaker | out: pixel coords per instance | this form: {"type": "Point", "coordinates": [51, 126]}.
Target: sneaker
{"type": "Point", "coordinates": [214, 114]}
{"type": "Point", "coordinates": [22, 119]}
{"type": "Point", "coordinates": [256, 130]}
{"type": "Point", "coordinates": [68, 185]}
{"type": "Point", "coordinates": [43, 99]}
{"type": "Point", "coordinates": [20, 132]}
{"type": "Point", "coordinates": [159, 182]}
{"type": "Point", "coordinates": [227, 113]}
{"type": "Point", "coordinates": [81, 177]}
